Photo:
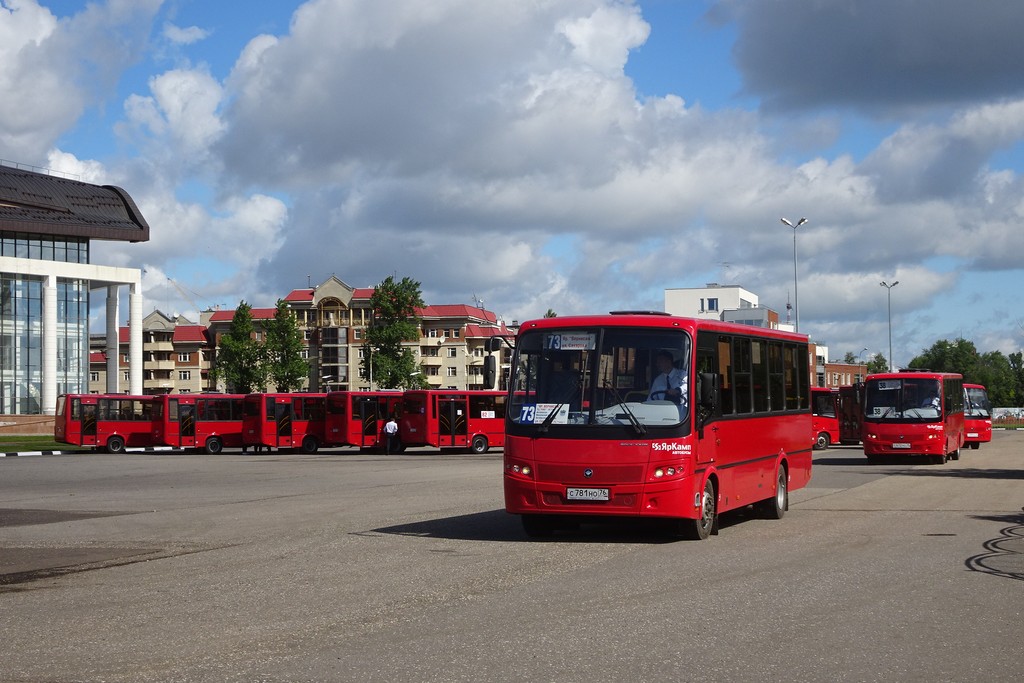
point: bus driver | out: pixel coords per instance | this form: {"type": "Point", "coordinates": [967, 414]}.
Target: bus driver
{"type": "Point", "coordinates": [670, 384]}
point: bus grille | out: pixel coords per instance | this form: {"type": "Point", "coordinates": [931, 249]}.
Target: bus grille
{"type": "Point", "coordinates": [601, 474]}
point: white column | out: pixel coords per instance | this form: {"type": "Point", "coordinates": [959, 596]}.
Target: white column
{"type": "Point", "coordinates": [113, 345]}
{"type": "Point", "coordinates": [49, 393]}
{"type": "Point", "coordinates": [135, 338]}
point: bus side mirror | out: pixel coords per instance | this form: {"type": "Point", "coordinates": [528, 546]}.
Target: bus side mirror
{"type": "Point", "coordinates": [490, 371]}
{"type": "Point", "coordinates": [493, 344]}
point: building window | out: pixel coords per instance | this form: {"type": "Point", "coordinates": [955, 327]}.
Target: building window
{"type": "Point", "coordinates": [357, 334]}
{"type": "Point", "coordinates": [433, 370]}
{"type": "Point", "coordinates": [453, 352]}
{"type": "Point", "coordinates": [94, 377]}
{"type": "Point", "coordinates": [453, 372]}
{"type": "Point", "coordinates": [184, 357]}
{"type": "Point", "coordinates": [432, 333]}
{"type": "Point", "coordinates": [712, 304]}
{"type": "Point", "coordinates": [184, 375]}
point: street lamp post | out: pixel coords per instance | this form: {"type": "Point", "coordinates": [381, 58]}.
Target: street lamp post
{"type": "Point", "coordinates": [796, 291]}
{"type": "Point", "coordinates": [888, 292]}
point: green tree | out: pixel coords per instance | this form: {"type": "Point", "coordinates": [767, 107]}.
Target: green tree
{"type": "Point", "coordinates": [946, 356]}
{"type": "Point", "coordinates": [878, 363]}
{"type": "Point", "coordinates": [550, 314]}
{"type": "Point", "coordinates": [1016, 397]}
{"type": "Point", "coordinates": [391, 364]}
{"type": "Point", "coordinates": [283, 349]}
{"type": "Point", "coordinates": [240, 358]}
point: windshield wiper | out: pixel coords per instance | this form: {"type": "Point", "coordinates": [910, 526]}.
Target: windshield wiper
{"type": "Point", "coordinates": [637, 425]}
{"type": "Point", "coordinates": [576, 383]}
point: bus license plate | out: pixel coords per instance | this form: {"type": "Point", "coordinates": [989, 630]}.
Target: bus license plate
{"type": "Point", "coordinates": [901, 445]}
{"type": "Point", "coordinates": [586, 494]}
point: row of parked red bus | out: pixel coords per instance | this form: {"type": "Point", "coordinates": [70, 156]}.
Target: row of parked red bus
{"type": "Point", "coordinates": [443, 419]}
{"type": "Point", "coordinates": [930, 414]}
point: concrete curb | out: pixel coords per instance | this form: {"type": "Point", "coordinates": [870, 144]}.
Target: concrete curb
{"type": "Point", "coordinates": [23, 454]}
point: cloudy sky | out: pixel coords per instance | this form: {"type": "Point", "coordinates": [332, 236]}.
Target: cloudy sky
{"type": "Point", "coordinates": [574, 155]}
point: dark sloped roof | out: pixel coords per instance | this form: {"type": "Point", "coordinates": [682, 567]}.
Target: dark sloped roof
{"type": "Point", "coordinates": [48, 205]}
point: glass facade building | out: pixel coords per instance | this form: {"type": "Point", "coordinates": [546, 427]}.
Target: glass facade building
{"type": "Point", "coordinates": [21, 324]}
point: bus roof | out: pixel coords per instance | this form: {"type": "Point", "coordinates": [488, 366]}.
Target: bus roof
{"type": "Point", "coordinates": [654, 319]}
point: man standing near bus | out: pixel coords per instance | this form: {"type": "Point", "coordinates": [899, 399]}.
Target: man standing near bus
{"type": "Point", "coordinates": [391, 435]}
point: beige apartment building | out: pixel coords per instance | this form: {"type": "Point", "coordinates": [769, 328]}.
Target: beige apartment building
{"type": "Point", "coordinates": [178, 354]}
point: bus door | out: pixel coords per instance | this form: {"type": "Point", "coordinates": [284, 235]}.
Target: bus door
{"type": "Point", "coordinates": [186, 424]}
{"type": "Point", "coordinates": [707, 363]}
{"type": "Point", "coordinates": [368, 419]}
{"type": "Point", "coordinates": [88, 424]}
{"type": "Point", "coordinates": [451, 421]}
{"type": "Point", "coordinates": [283, 415]}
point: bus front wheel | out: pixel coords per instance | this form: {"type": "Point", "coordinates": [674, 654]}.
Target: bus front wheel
{"type": "Point", "coordinates": [702, 527]}
{"type": "Point", "coordinates": [213, 446]}
{"type": "Point", "coordinates": [480, 444]}
{"type": "Point", "coordinates": [822, 442]}
{"type": "Point", "coordinates": [310, 444]}
{"type": "Point", "coordinates": [115, 445]}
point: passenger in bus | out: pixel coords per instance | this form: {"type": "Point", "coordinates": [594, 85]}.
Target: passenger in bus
{"type": "Point", "coordinates": [670, 384]}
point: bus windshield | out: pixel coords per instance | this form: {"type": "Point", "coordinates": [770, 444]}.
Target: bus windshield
{"type": "Point", "coordinates": [601, 376]}
{"type": "Point", "coordinates": [913, 400]}
{"type": "Point", "coordinates": [977, 404]}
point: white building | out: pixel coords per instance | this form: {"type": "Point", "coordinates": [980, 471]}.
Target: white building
{"type": "Point", "coordinates": [46, 276]}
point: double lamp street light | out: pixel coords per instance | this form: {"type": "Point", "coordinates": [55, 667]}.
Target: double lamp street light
{"type": "Point", "coordinates": [796, 292]}
{"type": "Point", "coordinates": [888, 288]}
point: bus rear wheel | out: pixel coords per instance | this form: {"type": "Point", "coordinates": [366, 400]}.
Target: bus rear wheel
{"type": "Point", "coordinates": [776, 506]}
{"type": "Point", "coordinates": [115, 445]}
{"type": "Point", "coordinates": [213, 446]}
{"type": "Point", "coordinates": [479, 444]}
{"type": "Point", "coordinates": [310, 444]}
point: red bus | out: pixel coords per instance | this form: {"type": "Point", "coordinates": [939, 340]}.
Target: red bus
{"type": "Point", "coordinates": [914, 413]}
{"type": "Point", "coordinates": [647, 415]}
{"type": "Point", "coordinates": [201, 421]}
{"type": "Point", "coordinates": [851, 413]}
{"type": "Point", "coordinates": [825, 414]}
{"type": "Point", "coordinates": [110, 422]}
{"type": "Point", "coordinates": [284, 421]}
{"type": "Point", "coordinates": [977, 416]}
{"type": "Point", "coordinates": [356, 418]}
{"type": "Point", "coordinates": [453, 418]}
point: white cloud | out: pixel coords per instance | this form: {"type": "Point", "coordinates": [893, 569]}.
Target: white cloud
{"type": "Point", "coordinates": [53, 70]}
{"type": "Point", "coordinates": [184, 35]}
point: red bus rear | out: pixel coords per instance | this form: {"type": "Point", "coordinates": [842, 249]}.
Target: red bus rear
{"type": "Point", "coordinates": [110, 422]}
{"type": "Point", "coordinates": [651, 415]}
{"type": "Point", "coordinates": [284, 421]}
{"type": "Point", "coordinates": [356, 418]}
{"type": "Point", "coordinates": [977, 416]}
{"type": "Point", "coordinates": [914, 414]}
{"type": "Point", "coordinates": [825, 414]}
{"type": "Point", "coordinates": [851, 413]}
{"type": "Point", "coordinates": [453, 419]}
{"type": "Point", "coordinates": [209, 422]}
